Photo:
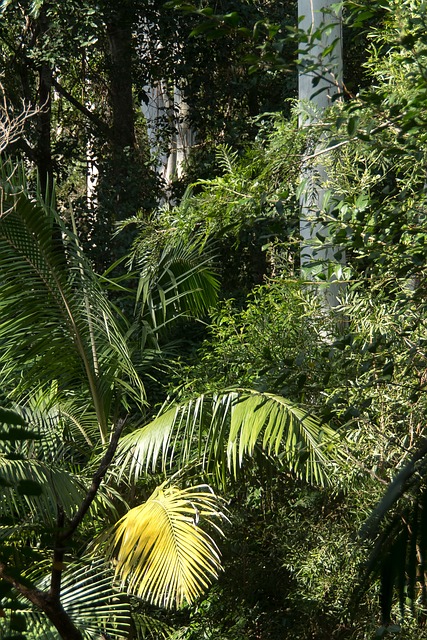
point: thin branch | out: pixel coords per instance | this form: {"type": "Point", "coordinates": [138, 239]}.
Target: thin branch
{"type": "Point", "coordinates": [58, 559]}
{"type": "Point", "coordinates": [380, 127]}
{"type": "Point", "coordinates": [35, 596]}
{"type": "Point", "coordinates": [327, 149]}
{"type": "Point", "coordinates": [82, 108]}
{"type": "Point", "coordinates": [11, 124]}
{"type": "Point", "coordinates": [96, 481]}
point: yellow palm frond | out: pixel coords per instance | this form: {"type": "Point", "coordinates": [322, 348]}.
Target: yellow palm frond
{"type": "Point", "coordinates": [162, 554]}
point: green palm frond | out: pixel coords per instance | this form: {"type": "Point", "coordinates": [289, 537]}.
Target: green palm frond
{"type": "Point", "coordinates": [34, 491]}
{"type": "Point", "coordinates": [226, 427]}
{"type": "Point", "coordinates": [226, 158]}
{"type": "Point", "coordinates": [149, 628]}
{"type": "Point", "coordinates": [54, 315]}
{"type": "Point", "coordinates": [180, 282]}
{"type": "Point", "coordinates": [162, 553]}
{"type": "Point", "coordinates": [58, 428]}
{"type": "Point", "coordinates": [90, 597]}
{"type": "Point", "coordinates": [398, 527]}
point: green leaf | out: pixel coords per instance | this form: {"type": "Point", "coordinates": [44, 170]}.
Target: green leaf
{"type": "Point", "coordinates": [352, 125]}
{"type": "Point", "coordinates": [388, 370]}
{"type": "Point", "coordinates": [279, 207]}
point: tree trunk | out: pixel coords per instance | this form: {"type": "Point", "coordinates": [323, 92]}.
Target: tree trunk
{"type": "Point", "coordinates": [51, 607]}
{"type": "Point", "coordinates": [44, 141]}
{"type": "Point", "coordinates": [119, 32]}
{"type": "Point", "coordinates": [169, 152]}
{"type": "Point", "coordinates": [122, 172]}
{"type": "Point", "coordinates": [320, 77]}
{"type": "Point", "coordinates": [61, 621]}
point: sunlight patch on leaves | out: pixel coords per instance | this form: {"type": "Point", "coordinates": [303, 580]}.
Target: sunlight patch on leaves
{"type": "Point", "coordinates": [162, 553]}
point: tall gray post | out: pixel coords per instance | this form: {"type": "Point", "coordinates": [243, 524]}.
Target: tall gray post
{"type": "Point", "coordinates": [320, 76]}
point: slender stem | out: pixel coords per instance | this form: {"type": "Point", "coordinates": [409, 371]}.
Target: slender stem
{"type": "Point", "coordinates": [58, 559]}
{"type": "Point", "coordinates": [101, 418]}
{"type": "Point", "coordinates": [96, 481]}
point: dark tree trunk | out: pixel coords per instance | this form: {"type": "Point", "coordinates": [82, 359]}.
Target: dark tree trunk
{"type": "Point", "coordinates": [122, 167]}
{"type": "Point", "coordinates": [61, 620]}
{"type": "Point", "coordinates": [44, 142]}
{"type": "Point", "coordinates": [119, 33]}
{"type": "Point", "coordinates": [51, 606]}
{"type": "Point", "coordinates": [44, 146]}
{"type": "Point", "coordinates": [50, 602]}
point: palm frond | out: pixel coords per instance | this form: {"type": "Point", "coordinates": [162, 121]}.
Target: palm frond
{"type": "Point", "coordinates": [180, 282]}
{"type": "Point", "coordinates": [226, 158]}
{"type": "Point", "coordinates": [34, 491]}
{"type": "Point", "coordinates": [223, 429]}
{"type": "Point", "coordinates": [398, 527]}
{"type": "Point", "coordinates": [148, 627]}
{"type": "Point", "coordinates": [54, 315]}
{"type": "Point", "coordinates": [90, 597]}
{"type": "Point", "coordinates": [57, 428]}
{"type": "Point", "coordinates": [162, 553]}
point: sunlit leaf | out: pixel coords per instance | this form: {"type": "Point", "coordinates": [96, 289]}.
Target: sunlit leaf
{"type": "Point", "coordinates": [163, 554]}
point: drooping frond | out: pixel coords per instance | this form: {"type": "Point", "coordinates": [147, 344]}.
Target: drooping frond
{"type": "Point", "coordinates": [55, 321]}
{"type": "Point", "coordinates": [162, 553]}
{"type": "Point", "coordinates": [179, 282]}
{"type": "Point", "coordinates": [398, 528]}
{"type": "Point", "coordinates": [226, 427]}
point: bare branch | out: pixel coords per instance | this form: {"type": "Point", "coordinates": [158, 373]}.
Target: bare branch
{"type": "Point", "coordinates": [98, 122]}
{"type": "Point", "coordinates": [11, 123]}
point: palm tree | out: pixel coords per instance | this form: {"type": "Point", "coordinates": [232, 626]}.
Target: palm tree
{"type": "Point", "coordinates": [71, 363]}
{"type": "Point", "coordinates": [69, 377]}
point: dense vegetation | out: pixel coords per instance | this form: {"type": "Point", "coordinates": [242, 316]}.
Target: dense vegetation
{"type": "Point", "coordinates": [194, 442]}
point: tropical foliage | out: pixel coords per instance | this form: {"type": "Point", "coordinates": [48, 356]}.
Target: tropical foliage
{"type": "Point", "coordinates": [193, 361]}
{"type": "Point", "coordinates": [50, 479]}
{"type": "Point", "coordinates": [73, 366]}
